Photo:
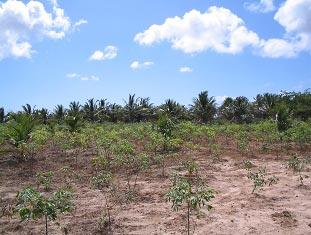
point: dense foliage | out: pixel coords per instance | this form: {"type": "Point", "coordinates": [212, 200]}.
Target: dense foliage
{"type": "Point", "coordinates": [281, 107]}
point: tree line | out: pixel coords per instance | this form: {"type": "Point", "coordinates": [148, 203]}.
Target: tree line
{"type": "Point", "coordinates": [282, 106]}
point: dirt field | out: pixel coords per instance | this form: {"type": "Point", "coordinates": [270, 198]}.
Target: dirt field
{"type": "Point", "coordinates": [284, 208]}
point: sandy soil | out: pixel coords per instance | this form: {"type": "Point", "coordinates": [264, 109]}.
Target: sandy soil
{"type": "Point", "coordinates": [284, 208]}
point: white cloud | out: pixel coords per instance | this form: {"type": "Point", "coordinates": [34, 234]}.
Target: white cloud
{"type": "Point", "coordinates": [82, 77]}
{"type": "Point", "coordinates": [295, 17]}
{"type": "Point", "coordinates": [262, 6]}
{"type": "Point", "coordinates": [217, 29]}
{"type": "Point", "coordinates": [276, 48]}
{"type": "Point", "coordinates": [109, 53]}
{"type": "Point", "coordinates": [21, 23]}
{"type": "Point", "coordinates": [144, 65]}
{"type": "Point", "coordinates": [78, 24]}
{"type": "Point", "coordinates": [185, 69]}
{"type": "Point", "coordinates": [89, 78]}
{"type": "Point", "coordinates": [72, 75]}
{"type": "Point", "coordinates": [220, 30]}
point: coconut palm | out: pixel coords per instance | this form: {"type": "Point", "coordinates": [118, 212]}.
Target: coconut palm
{"type": "Point", "coordinates": [174, 109]}
{"type": "Point", "coordinates": [114, 112]}
{"type": "Point", "coordinates": [74, 109]}
{"type": "Point", "coordinates": [59, 113]}
{"type": "Point", "coordinates": [145, 109]}
{"type": "Point", "coordinates": [265, 104]}
{"type": "Point", "coordinates": [131, 108]}
{"type": "Point", "coordinates": [28, 109]}
{"type": "Point", "coordinates": [2, 115]}
{"type": "Point", "coordinates": [44, 115]}
{"type": "Point", "coordinates": [241, 108]}
{"type": "Point", "coordinates": [103, 108]}
{"type": "Point", "coordinates": [19, 128]}
{"type": "Point", "coordinates": [226, 110]}
{"type": "Point", "coordinates": [90, 110]}
{"type": "Point", "coordinates": [204, 107]}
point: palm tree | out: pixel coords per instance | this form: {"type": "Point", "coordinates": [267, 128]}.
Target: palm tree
{"type": "Point", "coordinates": [59, 112]}
{"type": "Point", "coordinates": [174, 109]}
{"type": "Point", "coordinates": [241, 107]}
{"type": "Point", "coordinates": [90, 110]}
{"type": "Point", "coordinates": [74, 109]}
{"type": "Point", "coordinates": [265, 105]}
{"type": "Point", "coordinates": [114, 112]}
{"type": "Point", "coordinates": [226, 110]}
{"type": "Point", "coordinates": [44, 114]}
{"type": "Point", "coordinates": [28, 109]}
{"type": "Point", "coordinates": [2, 115]}
{"type": "Point", "coordinates": [131, 108]}
{"type": "Point", "coordinates": [145, 109]}
{"type": "Point", "coordinates": [204, 107]}
{"type": "Point", "coordinates": [103, 107]}
{"type": "Point", "coordinates": [302, 105]}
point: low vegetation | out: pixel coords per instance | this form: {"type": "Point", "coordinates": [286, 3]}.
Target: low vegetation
{"type": "Point", "coordinates": [114, 151]}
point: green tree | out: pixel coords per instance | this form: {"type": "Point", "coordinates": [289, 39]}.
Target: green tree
{"type": "Point", "coordinates": [226, 110]}
{"type": "Point", "coordinates": [28, 109]}
{"type": "Point", "coordinates": [90, 110]}
{"type": "Point", "coordinates": [241, 108]}
{"type": "Point", "coordinates": [174, 110]}
{"type": "Point", "coordinates": [59, 113]}
{"type": "Point", "coordinates": [283, 117]}
{"type": "Point", "coordinates": [74, 109]}
{"type": "Point", "coordinates": [265, 105]}
{"type": "Point", "coordinates": [131, 108]}
{"type": "Point", "coordinates": [204, 107]}
{"type": "Point", "coordinates": [2, 115]}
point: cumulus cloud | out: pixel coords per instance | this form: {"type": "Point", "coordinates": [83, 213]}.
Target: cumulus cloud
{"type": "Point", "coordinates": [185, 69]}
{"type": "Point", "coordinates": [262, 6]}
{"type": "Point", "coordinates": [295, 17]}
{"type": "Point", "coordinates": [220, 30]}
{"type": "Point", "coordinates": [141, 65]}
{"type": "Point", "coordinates": [83, 77]}
{"type": "Point", "coordinates": [21, 23]}
{"type": "Point", "coordinates": [217, 29]}
{"type": "Point", "coordinates": [109, 53]}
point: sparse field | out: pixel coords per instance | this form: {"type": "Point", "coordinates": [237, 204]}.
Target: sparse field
{"type": "Point", "coordinates": [221, 157]}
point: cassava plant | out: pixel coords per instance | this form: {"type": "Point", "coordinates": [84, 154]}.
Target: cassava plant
{"type": "Point", "coordinates": [33, 205]}
{"type": "Point", "coordinates": [131, 164]}
{"type": "Point", "coordinates": [183, 192]}
{"type": "Point", "coordinates": [104, 182]}
{"type": "Point", "coordinates": [259, 179]}
{"type": "Point", "coordinates": [297, 165]}
{"type": "Point", "coordinates": [45, 179]}
{"type": "Point", "coordinates": [191, 166]}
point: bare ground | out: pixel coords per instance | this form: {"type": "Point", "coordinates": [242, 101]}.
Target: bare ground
{"type": "Point", "coordinates": [284, 208]}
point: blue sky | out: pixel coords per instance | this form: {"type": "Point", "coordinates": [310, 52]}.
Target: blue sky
{"type": "Point", "coordinates": [58, 69]}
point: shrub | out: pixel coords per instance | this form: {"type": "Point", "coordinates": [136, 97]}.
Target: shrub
{"type": "Point", "coordinates": [19, 129]}
{"type": "Point", "coordinates": [260, 179]}
{"type": "Point", "coordinates": [32, 205]}
{"type": "Point", "coordinates": [195, 197]}
{"type": "Point", "coordinates": [45, 179]}
{"type": "Point", "coordinates": [297, 165]}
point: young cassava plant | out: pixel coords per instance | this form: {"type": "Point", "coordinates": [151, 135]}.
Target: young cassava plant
{"type": "Point", "coordinates": [183, 192]}
{"type": "Point", "coordinates": [33, 205]}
